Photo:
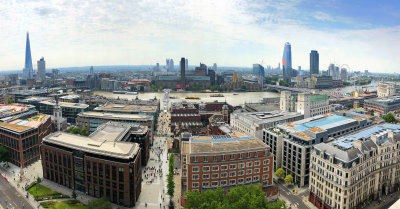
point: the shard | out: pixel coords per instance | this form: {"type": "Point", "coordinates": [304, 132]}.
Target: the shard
{"type": "Point", "coordinates": [28, 70]}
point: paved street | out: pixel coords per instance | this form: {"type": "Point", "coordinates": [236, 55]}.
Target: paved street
{"type": "Point", "coordinates": [10, 198]}
{"type": "Point", "coordinates": [295, 200]}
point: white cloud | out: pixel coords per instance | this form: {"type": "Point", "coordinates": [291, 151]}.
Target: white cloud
{"type": "Point", "coordinates": [229, 32]}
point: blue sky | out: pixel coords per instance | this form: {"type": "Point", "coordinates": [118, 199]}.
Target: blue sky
{"type": "Point", "coordinates": [362, 34]}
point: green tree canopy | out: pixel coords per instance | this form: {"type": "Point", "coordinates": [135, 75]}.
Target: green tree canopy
{"type": "Point", "coordinates": [73, 195]}
{"type": "Point", "coordinates": [280, 173]}
{"type": "Point", "coordinates": [4, 154]}
{"type": "Point", "coordinates": [240, 197]}
{"type": "Point", "coordinates": [243, 86]}
{"type": "Point", "coordinates": [389, 118]}
{"type": "Point", "coordinates": [74, 130]}
{"type": "Point", "coordinates": [9, 101]}
{"type": "Point", "coordinates": [289, 179]}
{"type": "Point", "coordinates": [99, 204]}
{"type": "Point", "coordinates": [84, 132]}
{"type": "Point", "coordinates": [170, 177]}
{"type": "Point", "coordinates": [283, 83]}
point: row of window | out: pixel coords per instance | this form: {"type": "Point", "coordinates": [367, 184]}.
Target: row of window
{"type": "Point", "coordinates": [206, 184]}
{"type": "Point", "coordinates": [226, 157]}
{"type": "Point", "coordinates": [231, 166]}
{"type": "Point", "coordinates": [231, 174]}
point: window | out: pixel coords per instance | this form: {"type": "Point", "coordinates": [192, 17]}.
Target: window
{"type": "Point", "coordinates": [214, 183]}
{"type": "Point", "coordinates": [256, 170]}
{"type": "Point", "coordinates": [184, 159]}
{"type": "Point", "coordinates": [215, 168]}
{"type": "Point", "coordinates": [265, 162]}
{"type": "Point", "coordinates": [232, 174]}
{"type": "Point", "coordinates": [223, 157]}
{"type": "Point", "coordinates": [265, 169]}
{"type": "Point", "coordinates": [121, 174]}
{"type": "Point", "coordinates": [240, 156]}
{"type": "Point", "coordinates": [249, 164]}
{"type": "Point", "coordinates": [256, 163]}
{"type": "Point", "coordinates": [232, 157]}
{"type": "Point", "coordinates": [232, 182]}
{"type": "Point", "coordinates": [256, 178]}
{"type": "Point", "coordinates": [240, 173]}
{"type": "Point", "coordinates": [206, 184]}
{"type": "Point", "coordinates": [224, 167]}
{"type": "Point", "coordinates": [215, 158]}
{"type": "Point", "coordinates": [205, 158]}
{"type": "Point", "coordinates": [206, 176]}
{"type": "Point", "coordinates": [241, 165]}
{"type": "Point", "coordinates": [248, 171]}
{"type": "Point", "coordinates": [206, 168]}
{"type": "Point", "coordinates": [215, 175]}
{"type": "Point", "coordinates": [256, 154]}
{"type": "Point", "coordinates": [195, 169]}
{"type": "Point", "coordinates": [114, 172]}
{"type": "Point", "coordinates": [224, 175]}
{"type": "Point", "coordinates": [232, 166]}
{"type": "Point", "coordinates": [223, 183]}
{"type": "Point", "coordinates": [265, 177]}
{"type": "Point", "coordinates": [248, 155]}
{"type": "Point", "coordinates": [195, 159]}
{"type": "Point", "coordinates": [195, 177]}
{"type": "Point", "coordinates": [248, 179]}
{"type": "Point", "coordinates": [195, 184]}
{"type": "Point", "coordinates": [240, 181]}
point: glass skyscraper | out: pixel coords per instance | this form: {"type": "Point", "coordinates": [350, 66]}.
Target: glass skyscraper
{"type": "Point", "coordinates": [287, 62]}
{"type": "Point", "coordinates": [258, 70]}
{"type": "Point", "coordinates": [28, 69]}
{"type": "Point", "coordinates": [314, 62]}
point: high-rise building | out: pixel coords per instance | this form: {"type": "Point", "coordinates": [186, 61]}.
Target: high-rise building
{"type": "Point", "coordinates": [170, 65]}
{"type": "Point", "coordinates": [28, 70]}
{"type": "Point", "coordinates": [258, 70]}
{"type": "Point", "coordinates": [343, 74]}
{"type": "Point", "coordinates": [331, 71]}
{"type": "Point", "coordinates": [314, 62]}
{"type": "Point", "coordinates": [186, 64]}
{"type": "Point", "coordinates": [183, 60]}
{"type": "Point", "coordinates": [41, 65]}
{"type": "Point", "coordinates": [287, 62]}
{"type": "Point", "coordinates": [214, 67]}
{"type": "Point", "coordinates": [337, 73]}
{"type": "Point", "coordinates": [91, 71]}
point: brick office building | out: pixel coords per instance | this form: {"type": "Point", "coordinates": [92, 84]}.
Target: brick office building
{"type": "Point", "coordinates": [22, 137]}
{"type": "Point", "coordinates": [105, 164]}
{"type": "Point", "coordinates": [225, 161]}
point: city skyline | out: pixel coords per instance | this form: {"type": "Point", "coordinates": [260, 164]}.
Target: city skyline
{"type": "Point", "coordinates": [230, 33]}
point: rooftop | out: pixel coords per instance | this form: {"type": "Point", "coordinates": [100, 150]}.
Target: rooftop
{"type": "Point", "coordinates": [115, 116]}
{"type": "Point", "coordinates": [19, 125]}
{"type": "Point", "coordinates": [66, 104]}
{"type": "Point", "coordinates": [125, 108]}
{"type": "Point", "coordinates": [324, 122]}
{"type": "Point", "coordinates": [385, 101]}
{"type": "Point", "coordinates": [106, 140]}
{"type": "Point", "coordinates": [222, 144]}
{"type": "Point", "coordinates": [13, 109]}
{"type": "Point", "coordinates": [265, 117]}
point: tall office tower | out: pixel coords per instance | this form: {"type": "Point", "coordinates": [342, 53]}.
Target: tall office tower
{"type": "Point", "coordinates": [287, 62]}
{"type": "Point", "coordinates": [214, 67]}
{"type": "Point", "coordinates": [171, 65]}
{"type": "Point", "coordinates": [337, 73]}
{"type": "Point", "coordinates": [91, 71]}
{"type": "Point", "coordinates": [183, 85]}
{"type": "Point", "coordinates": [28, 70]}
{"type": "Point", "coordinates": [41, 65]}
{"type": "Point", "coordinates": [258, 70]}
{"type": "Point", "coordinates": [158, 67]}
{"type": "Point", "coordinates": [167, 65]}
{"type": "Point", "coordinates": [186, 64]}
{"type": "Point", "coordinates": [343, 74]}
{"type": "Point", "coordinates": [331, 71]}
{"type": "Point", "coordinates": [314, 62]}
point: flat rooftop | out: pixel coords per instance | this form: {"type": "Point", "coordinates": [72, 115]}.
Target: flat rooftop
{"type": "Point", "coordinates": [265, 117]}
{"type": "Point", "coordinates": [66, 104]}
{"type": "Point", "coordinates": [19, 125]}
{"type": "Point", "coordinates": [237, 142]}
{"type": "Point", "coordinates": [13, 109]}
{"type": "Point", "coordinates": [104, 141]}
{"type": "Point", "coordinates": [324, 122]}
{"type": "Point", "coordinates": [116, 116]}
{"type": "Point", "coordinates": [125, 108]}
{"type": "Point", "coordinates": [385, 101]}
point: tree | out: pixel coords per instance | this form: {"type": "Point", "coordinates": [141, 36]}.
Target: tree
{"type": "Point", "coordinates": [243, 86]}
{"type": "Point", "coordinates": [240, 197]}
{"type": "Point", "coordinates": [38, 180]}
{"type": "Point", "coordinates": [141, 88]}
{"type": "Point", "coordinates": [280, 173]}
{"type": "Point", "coordinates": [288, 179]}
{"type": "Point", "coordinates": [170, 177]}
{"type": "Point", "coordinates": [84, 132]}
{"type": "Point", "coordinates": [389, 118]}
{"type": "Point", "coordinates": [4, 154]}
{"type": "Point", "coordinates": [283, 83]}
{"type": "Point", "coordinates": [74, 130]}
{"type": "Point", "coordinates": [9, 101]}
{"type": "Point", "coordinates": [73, 195]}
{"type": "Point", "coordinates": [99, 204]}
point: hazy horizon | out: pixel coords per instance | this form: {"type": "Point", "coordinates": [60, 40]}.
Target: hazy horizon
{"type": "Point", "coordinates": [238, 33]}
